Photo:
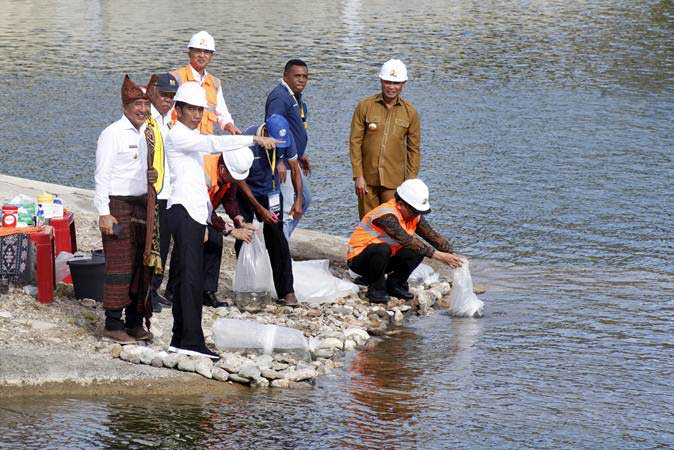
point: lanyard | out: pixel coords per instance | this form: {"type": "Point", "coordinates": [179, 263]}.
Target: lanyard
{"type": "Point", "coordinates": [272, 165]}
{"type": "Point", "coordinates": [302, 116]}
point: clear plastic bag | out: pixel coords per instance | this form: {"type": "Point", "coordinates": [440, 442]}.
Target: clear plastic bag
{"type": "Point", "coordinates": [463, 301]}
{"type": "Point", "coordinates": [61, 267]}
{"type": "Point", "coordinates": [315, 284]}
{"type": "Point", "coordinates": [243, 335]}
{"type": "Point", "coordinates": [423, 274]}
{"type": "Point", "coordinates": [253, 271]}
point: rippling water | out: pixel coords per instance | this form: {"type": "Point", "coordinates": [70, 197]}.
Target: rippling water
{"type": "Point", "coordinates": [547, 141]}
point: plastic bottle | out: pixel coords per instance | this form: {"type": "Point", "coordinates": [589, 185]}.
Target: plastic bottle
{"type": "Point", "coordinates": [39, 216]}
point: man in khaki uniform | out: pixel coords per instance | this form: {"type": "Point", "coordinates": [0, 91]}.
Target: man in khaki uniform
{"type": "Point", "coordinates": [385, 140]}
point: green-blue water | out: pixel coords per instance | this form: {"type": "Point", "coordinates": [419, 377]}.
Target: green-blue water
{"type": "Point", "coordinates": [548, 144]}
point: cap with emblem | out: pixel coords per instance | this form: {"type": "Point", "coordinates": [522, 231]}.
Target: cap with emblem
{"type": "Point", "coordinates": [414, 192]}
{"type": "Point", "coordinates": [167, 83]}
{"type": "Point", "coordinates": [279, 128]}
{"type": "Point", "coordinates": [393, 70]}
{"type": "Point", "coordinates": [202, 40]}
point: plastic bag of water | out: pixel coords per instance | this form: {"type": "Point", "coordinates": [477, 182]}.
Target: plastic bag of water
{"type": "Point", "coordinates": [315, 284]}
{"type": "Point", "coordinates": [242, 335]}
{"type": "Point", "coordinates": [253, 275]}
{"type": "Point", "coordinates": [463, 301]}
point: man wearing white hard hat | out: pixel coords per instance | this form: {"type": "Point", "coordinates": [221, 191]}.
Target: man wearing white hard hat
{"type": "Point", "coordinates": [189, 208]}
{"type": "Point", "coordinates": [383, 248]}
{"type": "Point", "coordinates": [384, 143]}
{"type": "Point", "coordinates": [200, 50]}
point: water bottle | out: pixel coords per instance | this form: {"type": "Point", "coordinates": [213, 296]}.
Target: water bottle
{"type": "Point", "coordinates": [39, 216]}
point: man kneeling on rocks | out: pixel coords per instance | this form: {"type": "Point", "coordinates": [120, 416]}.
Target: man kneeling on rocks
{"type": "Point", "coordinates": [383, 249]}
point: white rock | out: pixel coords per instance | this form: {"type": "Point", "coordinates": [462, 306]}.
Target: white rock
{"type": "Point", "coordinates": [264, 361]}
{"type": "Point", "coordinates": [171, 360]}
{"type": "Point", "coordinates": [249, 371]}
{"type": "Point", "coordinates": [88, 302]}
{"type": "Point", "coordinates": [404, 308]}
{"type": "Point", "coordinates": [398, 316]}
{"type": "Point", "coordinates": [204, 367]}
{"type": "Point", "coordinates": [435, 293]}
{"type": "Point", "coordinates": [185, 363]}
{"type": "Point", "coordinates": [232, 362]}
{"type": "Point", "coordinates": [331, 343]}
{"type": "Point", "coordinates": [444, 288]}
{"type": "Point", "coordinates": [306, 373]}
{"type": "Point", "coordinates": [5, 314]}
{"type": "Point", "coordinates": [218, 373]}
{"type": "Point", "coordinates": [349, 345]}
{"type": "Point", "coordinates": [281, 383]}
{"type": "Point", "coordinates": [357, 334]}
{"type": "Point", "coordinates": [116, 350]}
{"type": "Point", "coordinates": [261, 382]}
{"type": "Point", "coordinates": [271, 374]}
{"type": "Point", "coordinates": [147, 355]}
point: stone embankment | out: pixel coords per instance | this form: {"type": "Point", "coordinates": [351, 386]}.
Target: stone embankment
{"type": "Point", "coordinates": [60, 342]}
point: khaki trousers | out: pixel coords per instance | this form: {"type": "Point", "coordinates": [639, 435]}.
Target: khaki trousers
{"type": "Point", "coordinates": [375, 196]}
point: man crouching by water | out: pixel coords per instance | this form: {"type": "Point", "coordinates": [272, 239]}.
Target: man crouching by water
{"type": "Point", "coordinates": [383, 243]}
{"type": "Point", "coordinates": [120, 198]}
{"type": "Point", "coordinates": [189, 209]}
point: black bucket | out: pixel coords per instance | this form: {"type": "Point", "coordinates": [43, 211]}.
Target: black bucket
{"type": "Point", "coordinates": [88, 276]}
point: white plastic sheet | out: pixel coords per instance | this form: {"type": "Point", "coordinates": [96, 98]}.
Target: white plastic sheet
{"type": "Point", "coordinates": [236, 335]}
{"type": "Point", "coordinates": [463, 301]}
{"type": "Point", "coordinates": [253, 270]}
{"type": "Point", "coordinates": [61, 267]}
{"type": "Point", "coordinates": [315, 284]}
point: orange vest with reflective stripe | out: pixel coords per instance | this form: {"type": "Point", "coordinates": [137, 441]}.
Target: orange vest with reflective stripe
{"type": "Point", "coordinates": [215, 191]}
{"type": "Point", "coordinates": [367, 233]}
{"type": "Point", "coordinates": [211, 86]}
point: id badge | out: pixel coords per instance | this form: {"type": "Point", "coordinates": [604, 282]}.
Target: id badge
{"type": "Point", "coordinates": [274, 202]}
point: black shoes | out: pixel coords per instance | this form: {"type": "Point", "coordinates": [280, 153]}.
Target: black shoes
{"type": "Point", "coordinates": [362, 280]}
{"type": "Point", "coordinates": [289, 300]}
{"type": "Point", "coordinates": [211, 300]}
{"type": "Point", "coordinates": [398, 291]}
{"type": "Point", "coordinates": [377, 295]}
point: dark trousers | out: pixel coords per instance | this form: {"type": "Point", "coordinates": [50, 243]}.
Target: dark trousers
{"type": "Point", "coordinates": [376, 261]}
{"type": "Point", "coordinates": [187, 258]}
{"type": "Point", "coordinates": [212, 259]}
{"type": "Point", "coordinates": [164, 244]}
{"type": "Point", "coordinates": [276, 243]}
{"type": "Point", "coordinates": [132, 318]}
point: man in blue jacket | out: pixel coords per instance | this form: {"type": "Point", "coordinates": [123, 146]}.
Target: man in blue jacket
{"type": "Point", "coordinates": [286, 100]}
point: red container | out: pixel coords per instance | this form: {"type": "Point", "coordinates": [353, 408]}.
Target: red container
{"type": "Point", "coordinates": [10, 214]}
{"type": "Point", "coordinates": [64, 236]}
{"type": "Point", "coordinates": [44, 249]}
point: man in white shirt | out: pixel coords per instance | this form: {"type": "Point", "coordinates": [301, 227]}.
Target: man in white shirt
{"type": "Point", "coordinates": [200, 50]}
{"type": "Point", "coordinates": [120, 196]}
{"type": "Point", "coordinates": [189, 208]}
{"type": "Point", "coordinates": [161, 96]}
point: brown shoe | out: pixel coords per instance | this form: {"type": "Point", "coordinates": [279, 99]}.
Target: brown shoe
{"type": "Point", "coordinates": [118, 336]}
{"type": "Point", "coordinates": [289, 300]}
{"type": "Point", "coordinates": [139, 333]}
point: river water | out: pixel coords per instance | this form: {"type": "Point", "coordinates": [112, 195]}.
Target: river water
{"type": "Point", "coordinates": [547, 142]}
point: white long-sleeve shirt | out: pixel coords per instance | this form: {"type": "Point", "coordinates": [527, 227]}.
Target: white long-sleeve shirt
{"type": "Point", "coordinates": [184, 149]}
{"type": "Point", "coordinates": [163, 122]}
{"type": "Point", "coordinates": [121, 164]}
{"type": "Point", "coordinates": [221, 111]}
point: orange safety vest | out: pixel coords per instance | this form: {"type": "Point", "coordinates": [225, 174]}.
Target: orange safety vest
{"type": "Point", "coordinates": [367, 233]}
{"type": "Point", "coordinates": [215, 191]}
{"type": "Point", "coordinates": [211, 86]}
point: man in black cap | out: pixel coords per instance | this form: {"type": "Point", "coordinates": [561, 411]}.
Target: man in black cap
{"type": "Point", "coordinates": [161, 96]}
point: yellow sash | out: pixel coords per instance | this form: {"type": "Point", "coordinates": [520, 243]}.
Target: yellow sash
{"type": "Point", "coordinates": [158, 160]}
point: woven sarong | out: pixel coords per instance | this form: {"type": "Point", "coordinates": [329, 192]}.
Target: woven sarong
{"type": "Point", "coordinates": [126, 277]}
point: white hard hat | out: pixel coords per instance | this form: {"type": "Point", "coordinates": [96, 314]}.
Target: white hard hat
{"type": "Point", "coordinates": [415, 193]}
{"type": "Point", "coordinates": [191, 93]}
{"type": "Point", "coordinates": [202, 40]}
{"type": "Point", "coordinates": [238, 162]}
{"type": "Point", "coordinates": [393, 70]}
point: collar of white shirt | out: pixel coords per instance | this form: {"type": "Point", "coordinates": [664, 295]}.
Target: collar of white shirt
{"type": "Point", "coordinates": [290, 91]}
{"type": "Point", "coordinates": [125, 124]}
{"type": "Point", "coordinates": [197, 75]}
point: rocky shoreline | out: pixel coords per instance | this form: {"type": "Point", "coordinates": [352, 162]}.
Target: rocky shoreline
{"type": "Point", "coordinates": [61, 343]}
